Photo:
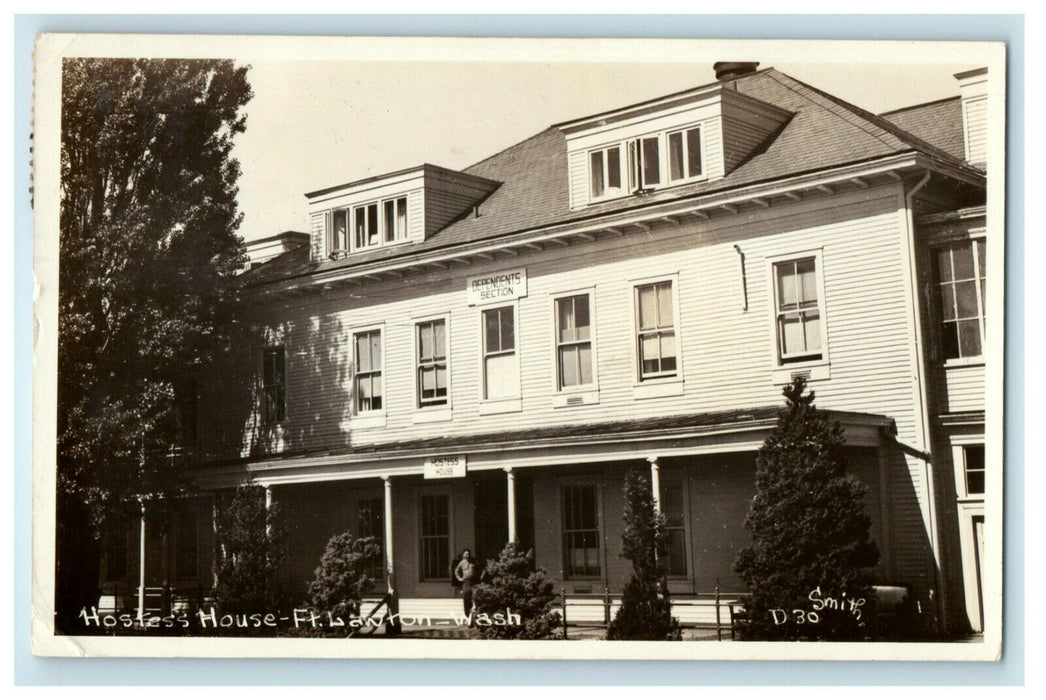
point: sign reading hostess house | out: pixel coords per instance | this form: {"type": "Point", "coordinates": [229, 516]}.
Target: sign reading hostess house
{"type": "Point", "coordinates": [501, 286]}
{"type": "Point", "coordinates": [448, 467]}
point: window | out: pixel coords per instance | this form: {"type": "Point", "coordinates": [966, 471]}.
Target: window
{"type": "Point", "coordinates": [605, 172]}
{"type": "Point", "coordinates": [366, 218]}
{"type": "Point", "coordinates": [432, 363]}
{"type": "Point", "coordinates": [684, 154]}
{"type": "Point", "coordinates": [674, 508]}
{"type": "Point", "coordinates": [798, 310]}
{"type": "Point", "coordinates": [434, 540]}
{"type": "Point", "coordinates": [581, 533]}
{"type": "Point", "coordinates": [973, 468]}
{"type": "Point", "coordinates": [574, 341]}
{"type": "Point", "coordinates": [339, 234]}
{"type": "Point", "coordinates": [395, 219]}
{"type": "Point", "coordinates": [500, 364]}
{"type": "Point", "coordinates": [187, 557]}
{"type": "Point", "coordinates": [370, 522]}
{"type": "Point", "coordinates": [645, 160]}
{"type": "Point", "coordinates": [368, 371]}
{"type": "Point", "coordinates": [656, 341]}
{"type": "Point", "coordinates": [961, 297]}
{"type": "Point", "coordinates": [273, 385]}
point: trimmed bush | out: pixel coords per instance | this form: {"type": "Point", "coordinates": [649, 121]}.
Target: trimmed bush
{"type": "Point", "coordinates": [511, 585]}
{"type": "Point", "coordinates": [809, 532]}
{"type": "Point", "coordinates": [341, 578]}
{"type": "Point", "coordinates": [251, 541]}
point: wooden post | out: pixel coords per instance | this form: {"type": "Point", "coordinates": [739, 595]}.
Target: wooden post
{"type": "Point", "coordinates": [655, 482]}
{"type": "Point", "coordinates": [510, 478]}
{"type": "Point", "coordinates": [563, 595]}
{"type": "Point", "coordinates": [392, 627]}
{"type": "Point", "coordinates": [718, 625]}
{"type": "Point", "coordinates": [141, 565]}
{"type": "Point", "coordinates": [606, 606]}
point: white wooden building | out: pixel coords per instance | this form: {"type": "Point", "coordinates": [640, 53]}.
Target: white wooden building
{"type": "Point", "coordinates": [457, 359]}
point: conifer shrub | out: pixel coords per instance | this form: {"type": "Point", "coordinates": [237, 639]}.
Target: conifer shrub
{"type": "Point", "coordinates": [810, 535]}
{"type": "Point", "coordinates": [251, 541]}
{"type": "Point", "coordinates": [341, 578]}
{"type": "Point", "coordinates": [646, 611]}
{"type": "Point", "coordinates": [511, 585]}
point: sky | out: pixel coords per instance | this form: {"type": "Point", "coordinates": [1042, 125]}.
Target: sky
{"type": "Point", "coordinates": [318, 123]}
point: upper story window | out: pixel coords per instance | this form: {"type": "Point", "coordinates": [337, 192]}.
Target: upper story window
{"type": "Point", "coordinates": [961, 295]}
{"type": "Point", "coordinates": [798, 310]}
{"type": "Point", "coordinates": [684, 154]}
{"type": "Point", "coordinates": [367, 345]}
{"type": "Point", "coordinates": [371, 224]}
{"type": "Point", "coordinates": [645, 163]}
{"type": "Point", "coordinates": [973, 469]}
{"type": "Point", "coordinates": [432, 363]}
{"type": "Point", "coordinates": [274, 409]}
{"type": "Point", "coordinates": [574, 341]}
{"type": "Point", "coordinates": [500, 361]}
{"type": "Point", "coordinates": [656, 334]}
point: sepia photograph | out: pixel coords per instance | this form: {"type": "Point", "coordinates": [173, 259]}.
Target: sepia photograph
{"type": "Point", "coordinates": [518, 348]}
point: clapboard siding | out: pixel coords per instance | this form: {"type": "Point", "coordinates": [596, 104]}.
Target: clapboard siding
{"type": "Point", "coordinates": [960, 388]}
{"type": "Point", "coordinates": [443, 207]}
{"type": "Point", "coordinates": [578, 173]}
{"type": "Point", "coordinates": [727, 353]}
{"type": "Point", "coordinates": [318, 231]}
{"type": "Point", "coordinates": [975, 127]}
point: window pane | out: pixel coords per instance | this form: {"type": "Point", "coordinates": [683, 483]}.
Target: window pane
{"type": "Point", "coordinates": [807, 282]}
{"type": "Point", "coordinates": [676, 552]}
{"type": "Point", "coordinates": [944, 264]}
{"type": "Point", "coordinates": [786, 286]}
{"type": "Point", "coordinates": [792, 334]}
{"type": "Point", "coordinates": [675, 156]}
{"type": "Point", "coordinates": [693, 150]}
{"type": "Point", "coordinates": [585, 362]}
{"type": "Point", "coordinates": [428, 382]}
{"type": "Point", "coordinates": [650, 346]}
{"type": "Point", "coordinates": [341, 228]}
{"type": "Point", "coordinates": [962, 258]}
{"type": "Point", "coordinates": [439, 340]}
{"type": "Point", "coordinates": [664, 304]}
{"type": "Point", "coordinates": [360, 216]}
{"type": "Point", "coordinates": [647, 307]}
{"type": "Point", "coordinates": [491, 331]}
{"type": "Point", "coordinates": [508, 329]}
{"type": "Point", "coordinates": [672, 502]}
{"type": "Point", "coordinates": [362, 354]}
{"type": "Point", "coordinates": [614, 168]}
{"type": "Point", "coordinates": [948, 302]}
{"type": "Point", "coordinates": [568, 367]}
{"type": "Point", "coordinates": [566, 320]}
{"type": "Point", "coordinates": [812, 326]}
{"type": "Point", "coordinates": [389, 211]}
{"type": "Point", "coordinates": [980, 257]}
{"type": "Point", "coordinates": [595, 165]}
{"type": "Point", "coordinates": [950, 340]}
{"type": "Point", "coordinates": [441, 380]}
{"type": "Point", "coordinates": [966, 299]}
{"type": "Point", "coordinates": [401, 218]}
{"type": "Point", "coordinates": [974, 457]}
{"type": "Point", "coordinates": [651, 164]}
{"type": "Point", "coordinates": [425, 336]}
{"type": "Point", "coordinates": [501, 375]}
{"type": "Point", "coordinates": [969, 338]}
{"type": "Point", "coordinates": [581, 317]}
{"type": "Point", "coordinates": [668, 352]}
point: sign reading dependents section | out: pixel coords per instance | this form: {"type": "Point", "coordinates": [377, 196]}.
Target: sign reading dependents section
{"type": "Point", "coordinates": [504, 286]}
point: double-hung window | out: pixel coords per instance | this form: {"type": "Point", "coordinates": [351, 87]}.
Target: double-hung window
{"type": "Point", "coordinates": [432, 363]}
{"type": "Point", "coordinates": [798, 310]}
{"type": "Point", "coordinates": [394, 219]}
{"type": "Point", "coordinates": [366, 218]}
{"type": "Point", "coordinates": [582, 538]}
{"type": "Point", "coordinates": [338, 242]}
{"type": "Point", "coordinates": [500, 361]}
{"type": "Point", "coordinates": [368, 366]}
{"type": "Point", "coordinates": [605, 172]}
{"type": "Point", "coordinates": [574, 341]}
{"type": "Point", "coordinates": [644, 156]}
{"type": "Point", "coordinates": [673, 505]}
{"type": "Point", "coordinates": [973, 469]}
{"type": "Point", "coordinates": [961, 296]}
{"type": "Point", "coordinates": [684, 154]}
{"type": "Point", "coordinates": [274, 409]}
{"type": "Point", "coordinates": [656, 334]}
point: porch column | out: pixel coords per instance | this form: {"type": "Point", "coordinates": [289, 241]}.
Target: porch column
{"type": "Point", "coordinates": [268, 506]}
{"type": "Point", "coordinates": [141, 564]}
{"type": "Point", "coordinates": [655, 482]}
{"type": "Point", "coordinates": [215, 560]}
{"type": "Point", "coordinates": [510, 479]}
{"type": "Point", "coordinates": [393, 625]}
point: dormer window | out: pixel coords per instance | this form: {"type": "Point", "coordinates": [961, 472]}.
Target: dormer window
{"type": "Point", "coordinates": [366, 219]}
{"type": "Point", "coordinates": [395, 219]}
{"type": "Point", "coordinates": [684, 155]}
{"type": "Point", "coordinates": [369, 228]}
{"type": "Point", "coordinates": [645, 160]}
{"type": "Point", "coordinates": [605, 172]}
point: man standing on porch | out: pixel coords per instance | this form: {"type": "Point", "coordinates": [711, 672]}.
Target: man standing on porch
{"type": "Point", "coordinates": [465, 572]}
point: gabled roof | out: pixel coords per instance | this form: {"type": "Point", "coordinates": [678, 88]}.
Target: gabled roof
{"type": "Point", "coordinates": [939, 123]}
{"type": "Point", "coordinates": [823, 133]}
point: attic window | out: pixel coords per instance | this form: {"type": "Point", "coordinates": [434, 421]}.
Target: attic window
{"type": "Point", "coordinates": [372, 224]}
{"type": "Point", "coordinates": [646, 161]}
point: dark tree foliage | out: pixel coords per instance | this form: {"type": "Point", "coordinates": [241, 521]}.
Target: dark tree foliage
{"type": "Point", "coordinates": [251, 541]}
{"type": "Point", "coordinates": [147, 237]}
{"type": "Point", "coordinates": [809, 530]}
{"type": "Point", "coordinates": [341, 578]}
{"type": "Point", "coordinates": [512, 584]}
{"type": "Point", "coordinates": [645, 612]}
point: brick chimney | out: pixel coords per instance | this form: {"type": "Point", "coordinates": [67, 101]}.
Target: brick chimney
{"type": "Point", "coordinates": [728, 70]}
{"type": "Point", "coordinates": [973, 90]}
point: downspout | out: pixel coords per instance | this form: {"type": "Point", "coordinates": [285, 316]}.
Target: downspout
{"type": "Point", "coordinates": [924, 413]}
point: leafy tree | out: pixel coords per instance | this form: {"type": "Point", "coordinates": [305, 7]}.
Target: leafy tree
{"type": "Point", "coordinates": [147, 236]}
{"type": "Point", "coordinates": [809, 530]}
{"type": "Point", "coordinates": [511, 583]}
{"type": "Point", "coordinates": [645, 612]}
{"type": "Point", "coordinates": [341, 578]}
{"type": "Point", "coordinates": [250, 537]}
